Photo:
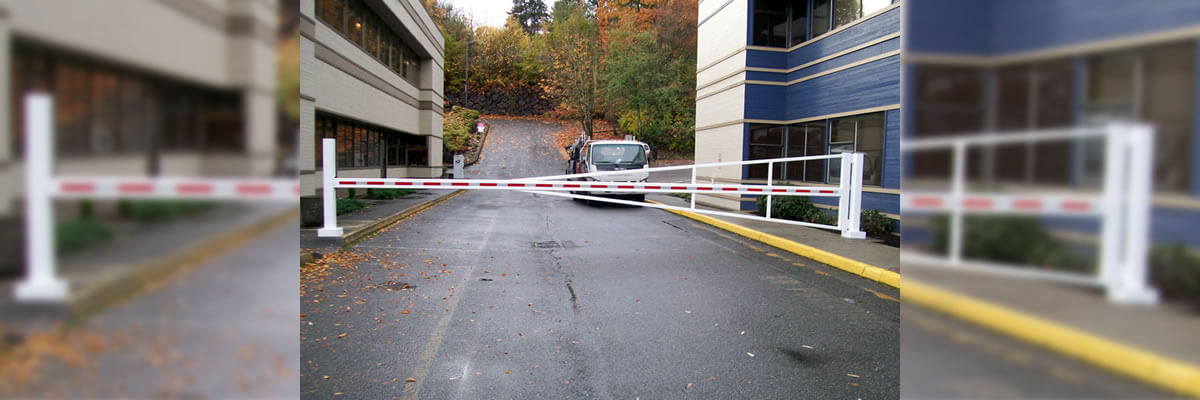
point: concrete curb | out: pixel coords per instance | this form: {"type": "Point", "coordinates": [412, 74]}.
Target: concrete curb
{"type": "Point", "coordinates": [846, 264]}
{"type": "Point", "coordinates": [358, 235]}
{"type": "Point", "coordinates": [482, 142]}
{"type": "Point", "coordinates": [120, 286]}
{"type": "Point", "coordinates": [1178, 376]}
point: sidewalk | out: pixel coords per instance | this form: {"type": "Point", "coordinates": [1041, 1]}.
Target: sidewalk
{"type": "Point", "coordinates": [1156, 344]}
{"type": "Point", "coordinates": [100, 274]}
{"type": "Point", "coordinates": [364, 221]}
{"type": "Point", "coordinates": [868, 251]}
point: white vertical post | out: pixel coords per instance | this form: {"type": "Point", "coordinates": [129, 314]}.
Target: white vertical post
{"type": "Point", "coordinates": [1129, 286]}
{"type": "Point", "coordinates": [770, 183]}
{"type": "Point", "coordinates": [958, 189]}
{"type": "Point", "coordinates": [693, 195]}
{"type": "Point", "coordinates": [41, 283]}
{"type": "Point", "coordinates": [328, 194]}
{"type": "Point", "coordinates": [1111, 220]}
{"type": "Point", "coordinates": [853, 198]}
{"type": "Point", "coordinates": [843, 191]}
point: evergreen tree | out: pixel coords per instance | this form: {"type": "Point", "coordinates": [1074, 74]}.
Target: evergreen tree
{"type": "Point", "coordinates": [530, 13]}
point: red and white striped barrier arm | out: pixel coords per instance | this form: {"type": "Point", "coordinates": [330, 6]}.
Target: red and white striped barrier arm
{"type": "Point", "coordinates": [176, 188]}
{"type": "Point", "coordinates": [1001, 203]}
{"type": "Point", "coordinates": [582, 186]}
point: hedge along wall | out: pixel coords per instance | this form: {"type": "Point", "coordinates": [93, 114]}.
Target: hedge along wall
{"type": "Point", "coordinates": [514, 101]}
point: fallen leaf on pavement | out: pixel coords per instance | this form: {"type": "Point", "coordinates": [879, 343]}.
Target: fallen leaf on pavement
{"type": "Point", "coordinates": [852, 375]}
{"type": "Point", "coordinates": [404, 312]}
{"type": "Point", "coordinates": [410, 380]}
{"type": "Point", "coordinates": [341, 336]}
{"type": "Point", "coordinates": [508, 371]}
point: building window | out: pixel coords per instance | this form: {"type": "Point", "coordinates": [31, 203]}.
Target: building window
{"type": "Point", "coordinates": [1169, 102]}
{"type": "Point", "coordinates": [333, 13]}
{"type": "Point", "coordinates": [861, 133]}
{"type": "Point", "coordinates": [820, 17]}
{"type": "Point", "coordinates": [362, 145]}
{"type": "Point", "coordinates": [787, 23]}
{"type": "Point", "coordinates": [771, 23]}
{"type": "Point", "coordinates": [364, 28]}
{"type": "Point", "coordinates": [766, 141]}
{"type": "Point", "coordinates": [105, 109]}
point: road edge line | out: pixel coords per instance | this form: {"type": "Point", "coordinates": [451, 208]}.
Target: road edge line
{"type": "Point", "coordinates": [840, 262]}
{"type": "Point", "coordinates": [1145, 366]}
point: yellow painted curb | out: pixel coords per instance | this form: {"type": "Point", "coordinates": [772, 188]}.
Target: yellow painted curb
{"type": "Point", "coordinates": [1148, 367]}
{"type": "Point", "coordinates": [852, 266]}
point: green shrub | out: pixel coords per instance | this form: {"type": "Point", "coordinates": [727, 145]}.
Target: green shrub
{"type": "Point", "coordinates": [456, 131]}
{"type": "Point", "coordinates": [160, 210]}
{"type": "Point", "coordinates": [87, 210]}
{"type": "Point", "coordinates": [1008, 239]}
{"type": "Point", "coordinates": [1175, 272]}
{"type": "Point", "coordinates": [794, 208]}
{"type": "Point", "coordinates": [466, 113]}
{"type": "Point", "coordinates": [875, 224]}
{"type": "Point", "coordinates": [388, 194]}
{"type": "Point", "coordinates": [348, 205]}
{"type": "Point", "coordinates": [76, 234]}
{"type": "Point", "coordinates": [351, 193]}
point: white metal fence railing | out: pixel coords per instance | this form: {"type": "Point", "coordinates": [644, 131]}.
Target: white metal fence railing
{"type": "Point", "coordinates": [848, 191]}
{"type": "Point", "coordinates": [1122, 207]}
{"type": "Point", "coordinates": [41, 282]}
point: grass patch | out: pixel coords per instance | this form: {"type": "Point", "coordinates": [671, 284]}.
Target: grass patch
{"type": "Point", "coordinates": [685, 196]}
{"type": "Point", "coordinates": [76, 234]}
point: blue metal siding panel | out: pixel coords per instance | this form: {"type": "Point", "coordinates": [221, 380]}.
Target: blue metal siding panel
{"type": "Point", "coordinates": [950, 26]}
{"type": "Point", "coordinates": [1024, 26]}
{"type": "Point", "coordinates": [766, 59]}
{"type": "Point", "coordinates": [764, 102]}
{"type": "Point", "coordinates": [880, 48]}
{"type": "Point", "coordinates": [870, 85]}
{"type": "Point", "coordinates": [766, 76]}
{"type": "Point", "coordinates": [891, 150]}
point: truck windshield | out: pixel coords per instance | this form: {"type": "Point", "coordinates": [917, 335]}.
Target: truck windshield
{"type": "Point", "coordinates": [618, 154]}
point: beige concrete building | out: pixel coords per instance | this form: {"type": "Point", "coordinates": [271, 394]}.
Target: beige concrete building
{"type": "Point", "coordinates": [140, 87]}
{"type": "Point", "coordinates": [156, 87]}
{"type": "Point", "coordinates": [371, 77]}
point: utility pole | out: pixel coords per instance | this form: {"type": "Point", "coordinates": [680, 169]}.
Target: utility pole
{"type": "Point", "coordinates": [466, 72]}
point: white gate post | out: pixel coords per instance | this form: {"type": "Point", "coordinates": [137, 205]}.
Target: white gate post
{"type": "Point", "coordinates": [1111, 229]}
{"type": "Point", "coordinates": [850, 224]}
{"type": "Point", "coordinates": [770, 184]}
{"type": "Point", "coordinates": [693, 196]}
{"type": "Point", "coordinates": [958, 191]}
{"type": "Point", "coordinates": [328, 194]}
{"type": "Point", "coordinates": [40, 283]}
{"type": "Point", "coordinates": [1129, 284]}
